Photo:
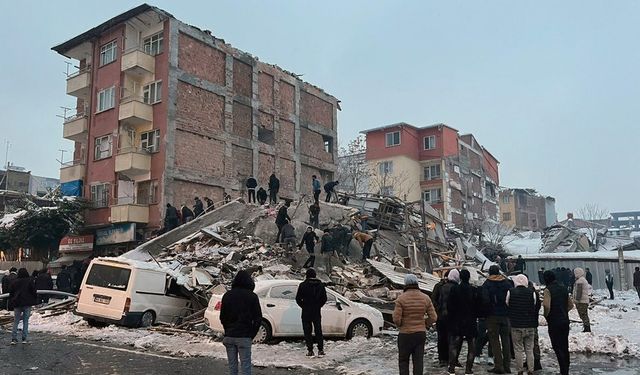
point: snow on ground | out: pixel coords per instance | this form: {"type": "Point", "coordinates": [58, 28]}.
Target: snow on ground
{"type": "Point", "coordinates": [523, 243]}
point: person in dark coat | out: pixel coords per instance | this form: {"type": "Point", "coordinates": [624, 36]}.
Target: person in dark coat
{"type": "Point", "coordinates": [309, 240]}
{"type": "Point", "coordinates": [315, 185]}
{"type": "Point", "coordinates": [171, 220]}
{"type": "Point", "coordinates": [251, 185]}
{"type": "Point", "coordinates": [541, 276]}
{"type": "Point", "coordinates": [210, 205]}
{"type": "Point", "coordinates": [498, 330]}
{"type": "Point", "coordinates": [440, 302]}
{"type": "Point", "coordinates": [521, 265]}
{"type": "Point", "coordinates": [282, 217]}
{"type": "Point", "coordinates": [636, 281]}
{"type": "Point", "coordinates": [187, 214]}
{"type": "Point", "coordinates": [608, 280]}
{"type": "Point", "coordinates": [6, 282]}
{"type": "Point", "coordinates": [311, 296]}
{"type": "Point", "coordinates": [22, 295]}
{"type": "Point", "coordinates": [274, 188]}
{"type": "Point", "coordinates": [198, 207]}
{"type": "Point", "coordinates": [314, 215]}
{"type": "Point", "coordinates": [461, 307]}
{"type": "Point", "coordinates": [63, 281]}
{"type": "Point", "coordinates": [557, 305]}
{"type": "Point", "coordinates": [241, 317]}
{"type": "Point", "coordinates": [329, 189]}
{"type": "Point", "coordinates": [44, 282]}
{"type": "Point", "coordinates": [262, 196]}
{"type": "Point", "coordinates": [289, 238]}
{"type": "Point", "coordinates": [588, 276]}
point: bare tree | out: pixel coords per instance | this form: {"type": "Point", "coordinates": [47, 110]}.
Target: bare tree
{"type": "Point", "coordinates": [594, 215]}
{"type": "Point", "coordinates": [388, 182]}
{"type": "Point", "coordinates": [494, 233]}
{"type": "Point", "coordinates": [353, 171]}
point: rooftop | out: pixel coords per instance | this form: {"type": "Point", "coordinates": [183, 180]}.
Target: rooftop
{"type": "Point", "coordinates": [404, 124]}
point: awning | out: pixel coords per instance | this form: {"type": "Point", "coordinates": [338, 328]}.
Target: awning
{"type": "Point", "coordinates": [67, 260]}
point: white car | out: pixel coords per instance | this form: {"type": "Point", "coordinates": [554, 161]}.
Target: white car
{"type": "Point", "coordinates": [281, 315]}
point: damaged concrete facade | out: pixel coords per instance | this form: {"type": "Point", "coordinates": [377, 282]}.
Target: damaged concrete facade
{"type": "Point", "coordinates": [167, 112]}
{"type": "Point", "coordinates": [452, 172]}
{"type": "Point", "coordinates": [526, 209]}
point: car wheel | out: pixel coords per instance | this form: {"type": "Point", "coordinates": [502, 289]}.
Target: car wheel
{"type": "Point", "coordinates": [147, 319]}
{"type": "Point", "coordinates": [359, 328]}
{"type": "Point", "coordinates": [264, 333]}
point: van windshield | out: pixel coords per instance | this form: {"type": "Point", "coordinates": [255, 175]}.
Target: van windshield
{"type": "Point", "coordinates": [109, 277]}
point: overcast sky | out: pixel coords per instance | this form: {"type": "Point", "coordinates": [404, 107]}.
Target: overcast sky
{"type": "Point", "coordinates": [550, 88]}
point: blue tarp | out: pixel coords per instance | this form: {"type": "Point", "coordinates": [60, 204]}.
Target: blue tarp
{"type": "Point", "coordinates": [71, 188]}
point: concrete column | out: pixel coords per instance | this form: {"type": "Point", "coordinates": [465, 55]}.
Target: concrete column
{"type": "Point", "coordinates": [228, 116]}
{"type": "Point", "coordinates": [297, 134]}
{"type": "Point", "coordinates": [166, 192]}
{"type": "Point", "coordinates": [255, 118]}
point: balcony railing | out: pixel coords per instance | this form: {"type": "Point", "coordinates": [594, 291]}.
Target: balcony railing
{"type": "Point", "coordinates": [133, 162]}
{"type": "Point", "coordinates": [72, 171]}
{"type": "Point", "coordinates": [136, 61]}
{"type": "Point", "coordinates": [75, 127]}
{"type": "Point", "coordinates": [129, 213]}
{"type": "Point", "coordinates": [79, 83]}
{"type": "Point", "coordinates": [134, 111]}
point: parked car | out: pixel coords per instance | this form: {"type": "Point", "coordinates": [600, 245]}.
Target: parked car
{"type": "Point", "coordinates": [122, 292]}
{"type": "Point", "coordinates": [281, 315]}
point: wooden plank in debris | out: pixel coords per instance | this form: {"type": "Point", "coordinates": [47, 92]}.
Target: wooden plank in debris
{"type": "Point", "coordinates": [397, 278]}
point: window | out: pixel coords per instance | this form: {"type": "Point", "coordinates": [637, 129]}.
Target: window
{"type": "Point", "coordinates": [108, 277]}
{"type": "Point", "coordinates": [506, 199]}
{"type": "Point", "coordinates": [100, 195]}
{"type": "Point", "coordinates": [106, 99]}
{"type": "Point", "coordinates": [432, 196]}
{"type": "Point", "coordinates": [150, 141]}
{"type": "Point", "coordinates": [430, 142]}
{"type": "Point", "coordinates": [285, 292]}
{"type": "Point", "coordinates": [102, 148]}
{"type": "Point", "coordinates": [152, 92]}
{"type": "Point", "coordinates": [506, 216]}
{"type": "Point", "coordinates": [386, 190]}
{"type": "Point", "coordinates": [432, 172]}
{"type": "Point", "coordinates": [491, 189]}
{"type": "Point", "coordinates": [385, 167]}
{"type": "Point", "coordinates": [108, 53]}
{"type": "Point", "coordinates": [328, 144]}
{"type": "Point", "coordinates": [153, 44]}
{"type": "Point", "coordinates": [392, 139]}
{"type": "Point", "coordinates": [147, 192]}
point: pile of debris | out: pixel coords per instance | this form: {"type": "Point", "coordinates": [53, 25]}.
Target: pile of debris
{"type": "Point", "coordinates": [562, 239]}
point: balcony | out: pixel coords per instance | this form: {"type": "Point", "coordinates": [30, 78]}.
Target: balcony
{"type": "Point", "coordinates": [75, 128]}
{"type": "Point", "coordinates": [138, 63]}
{"type": "Point", "coordinates": [129, 213]}
{"type": "Point", "coordinates": [134, 111]}
{"type": "Point", "coordinates": [133, 162]}
{"type": "Point", "coordinates": [72, 171]}
{"type": "Point", "coordinates": [79, 84]}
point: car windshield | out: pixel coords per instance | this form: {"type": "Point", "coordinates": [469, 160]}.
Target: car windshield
{"type": "Point", "coordinates": [109, 277]}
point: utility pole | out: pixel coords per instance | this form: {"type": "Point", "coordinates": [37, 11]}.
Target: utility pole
{"type": "Point", "coordinates": [6, 163]}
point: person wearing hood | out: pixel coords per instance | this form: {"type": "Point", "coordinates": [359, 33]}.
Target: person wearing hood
{"type": "Point", "coordinates": [581, 293]}
{"type": "Point", "coordinates": [187, 214]}
{"type": "Point", "coordinates": [22, 295]}
{"type": "Point", "coordinates": [443, 323]}
{"type": "Point", "coordinates": [171, 220]}
{"type": "Point", "coordinates": [210, 205]}
{"type": "Point", "coordinates": [588, 276]}
{"type": "Point", "coordinates": [608, 279]}
{"type": "Point", "coordinates": [557, 305]}
{"type": "Point", "coordinates": [309, 239]}
{"type": "Point", "coordinates": [274, 188]}
{"type": "Point", "coordinates": [44, 282]}
{"type": "Point", "coordinates": [411, 307]}
{"type": "Point", "coordinates": [462, 309]}
{"type": "Point", "coordinates": [521, 307]}
{"type": "Point", "coordinates": [262, 196]}
{"type": "Point", "coordinates": [498, 330]}
{"type": "Point", "coordinates": [311, 296]}
{"type": "Point", "coordinates": [241, 318]}
{"type": "Point", "coordinates": [282, 217]}
{"type": "Point", "coordinates": [314, 214]}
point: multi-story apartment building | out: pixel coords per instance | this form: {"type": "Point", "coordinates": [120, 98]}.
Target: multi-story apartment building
{"type": "Point", "coordinates": [626, 220]}
{"type": "Point", "coordinates": [525, 209]}
{"type": "Point", "coordinates": [452, 172]}
{"type": "Point", "coordinates": [167, 112]}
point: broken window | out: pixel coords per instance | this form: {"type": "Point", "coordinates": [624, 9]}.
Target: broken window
{"type": "Point", "coordinates": [328, 144]}
{"type": "Point", "coordinates": [147, 192]}
{"type": "Point", "coordinates": [392, 139]}
{"type": "Point", "coordinates": [100, 195]}
{"type": "Point", "coordinates": [491, 189]}
{"type": "Point", "coordinates": [265, 135]}
{"type": "Point", "coordinates": [102, 147]}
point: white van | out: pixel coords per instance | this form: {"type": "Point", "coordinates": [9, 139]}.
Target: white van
{"type": "Point", "coordinates": [122, 292]}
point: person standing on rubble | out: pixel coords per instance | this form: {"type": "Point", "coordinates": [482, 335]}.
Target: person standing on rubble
{"type": "Point", "coordinates": [366, 241]}
{"type": "Point", "coordinates": [521, 302]}
{"type": "Point", "coordinates": [241, 317]}
{"type": "Point", "coordinates": [315, 185]}
{"type": "Point", "coordinates": [581, 294]}
{"type": "Point", "coordinates": [441, 301]}
{"type": "Point", "coordinates": [311, 296]}
{"type": "Point", "coordinates": [198, 207]}
{"type": "Point", "coordinates": [588, 276]}
{"type": "Point", "coordinates": [314, 214]}
{"type": "Point", "coordinates": [636, 281]}
{"type": "Point", "coordinates": [327, 250]}
{"type": "Point", "coordinates": [521, 265]}
{"type": "Point", "coordinates": [557, 305]}
{"type": "Point", "coordinates": [187, 214]}
{"type": "Point", "coordinates": [329, 189]}
{"type": "Point", "coordinates": [409, 313]}
{"type": "Point", "coordinates": [288, 235]}
{"type": "Point", "coordinates": [462, 306]}
{"type": "Point", "coordinates": [262, 196]}
{"type": "Point", "coordinates": [282, 217]}
{"type": "Point", "coordinates": [251, 185]}
{"type": "Point", "coordinates": [274, 188]}
{"type": "Point", "coordinates": [309, 240]}
{"type": "Point", "coordinates": [498, 329]}
{"type": "Point", "coordinates": [171, 220]}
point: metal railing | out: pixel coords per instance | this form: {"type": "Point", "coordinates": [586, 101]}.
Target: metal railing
{"type": "Point", "coordinates": [86, 69]}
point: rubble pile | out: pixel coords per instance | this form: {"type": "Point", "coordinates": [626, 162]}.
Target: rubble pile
{"type": "Point", "coordinates": [562, 239]}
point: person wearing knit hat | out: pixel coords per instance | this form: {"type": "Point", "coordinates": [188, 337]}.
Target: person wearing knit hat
{"type": "Point", "coordinates": [496, 287]}
{"type": "Point", "coordinates": [440, 301]}
{"type": "Point", "coordinates": [409, 316]}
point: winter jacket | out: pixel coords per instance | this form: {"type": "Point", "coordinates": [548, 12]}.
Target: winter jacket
{"type": "Point", "coordinates": [410, 310]}
{"type": "Point", "coordinates": [251, 183]}
{"type": "Point", "coordinates": [288, 231]}
{"type": "Point", "coordinates": [557, 304]}
{"type": "Point", "coordinates": [589, 277]}
{"type": "Point", "coordinates": [7, 280]}
{"type": "Point", "coordinates": [22, 293]}
{"type": "Point", "coordinates": [198, 208]}
{"type": "Point", "coordinates": [309, 240]}
{"type": "Point", "coordinates": [608, 279]}
{"type": "Point", "coordinates": [326, 243]}
{"type": "Point", "coordinates": [441, 304]}
{"type": "Point", "coordinates": [496, 287]}
{"type": "Point", "coordinates": [316, 185]}
{"type": "Point", "coordinates": [462, 310]}
{"type": "Point", "coordinates": [63, 281]}
{"type": "Point", "coordinates": [362, 237]}
{"type": "Point", "coordinates": [44, 281]}
{"type": "Point", "coordinates": [581, 290]}
{"type": "Point", "coordinates": [329, 186]}
{"type": "Point", "coordinates": [311, 296]}
{"type": "Point", "coordinates": [274, 183]}
{"type": "Point", "coordinates": [186, 212]}
{"type": "Point", "coordinates": [520, 265]}
{"type": "Point", "coordinates": [314, 210]}
{"type": "Point", "coordinates": [636, 278]}
{"type": "Point", "coordinates": [282, 215]}
{"type": "Point", "coordinates": [262, 194]}
{"type": "Point", "coordinates": [240, 313]}
{"type": "Point", "coordinates": [522, 306]}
